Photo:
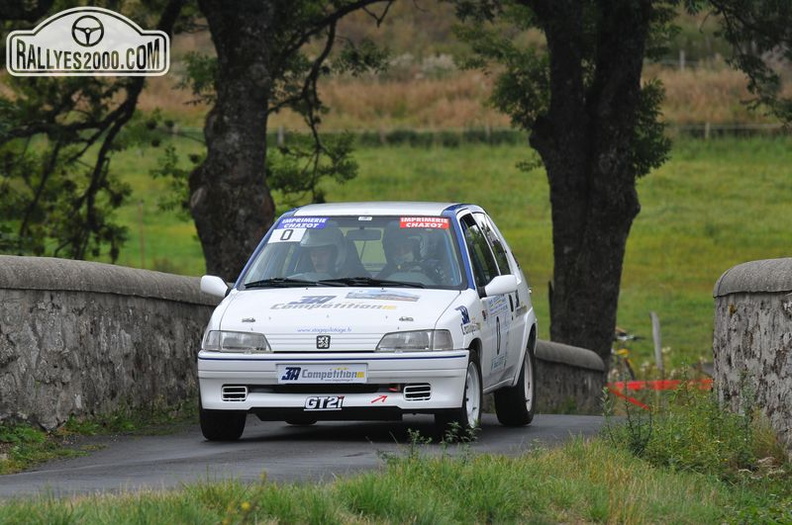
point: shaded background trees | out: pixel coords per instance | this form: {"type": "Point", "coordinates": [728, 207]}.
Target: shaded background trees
{"type": "Point", "coordinates": [595, 123]}
{"type": "Point", "coordinates": [261, 68]}
{"type": "Point", "coordinates": [57, 140]}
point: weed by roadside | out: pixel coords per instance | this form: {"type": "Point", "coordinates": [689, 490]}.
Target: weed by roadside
{"type": "Point", "coordinates": [687, 430]}
{"type": "Point", "coordinates": [23, 445]}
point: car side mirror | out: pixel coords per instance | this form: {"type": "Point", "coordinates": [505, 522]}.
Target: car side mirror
{"type": "Point", "coordinates": [214, 285]}
{"type": "Point", "coordinates": [500, 285]}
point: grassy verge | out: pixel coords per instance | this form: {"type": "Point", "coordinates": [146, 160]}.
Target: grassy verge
{"type": "Point", "coordinates": [695, 465]}
{"type": "Point", "coordinates": [23, 446]}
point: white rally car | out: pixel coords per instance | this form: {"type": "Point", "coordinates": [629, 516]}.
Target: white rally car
{"type": "Point", "coordinates": [369, 311]}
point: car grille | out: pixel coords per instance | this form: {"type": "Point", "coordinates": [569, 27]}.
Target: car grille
{"type": "Point", "coordinates": [343, 388]}
{"type": "Point", "coordinates": [234, 393]}
{"type": "Point", "coordinates": [411, 392]}
{"type": "Point", "coordinates": [306, 343]}
{"type": "Point", "coordinates": [418, 392]}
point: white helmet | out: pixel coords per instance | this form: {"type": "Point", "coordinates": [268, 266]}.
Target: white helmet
{"type": "Point", "coordinates": [329, 236]}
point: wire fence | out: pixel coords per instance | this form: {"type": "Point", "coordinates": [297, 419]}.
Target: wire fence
{"type": "Point", "coordinates": [452, 138]}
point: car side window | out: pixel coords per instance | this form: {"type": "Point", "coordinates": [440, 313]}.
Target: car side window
{"type": "Point", "coordinates": [484, 266]}
{"type": "Point", "coordinates": [495, 242]}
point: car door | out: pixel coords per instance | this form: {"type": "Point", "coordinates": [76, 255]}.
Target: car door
{"type": "Point", "coordinates": [514, 322]}
{"type": "Point", "coordinates": [494, 313]}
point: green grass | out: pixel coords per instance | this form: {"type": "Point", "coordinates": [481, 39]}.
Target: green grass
{"type": "Point", "coordinates": [22, 446]}
{"type": "Point", "coordinates": [580, 482]}
{"type": "Point", "coordinates": [686, 462]}
{"type": "Point", "coordinates": [714, 204]}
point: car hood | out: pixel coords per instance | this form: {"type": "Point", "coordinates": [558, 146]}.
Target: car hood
{"type": "Point", "coordinates": [333, 310]}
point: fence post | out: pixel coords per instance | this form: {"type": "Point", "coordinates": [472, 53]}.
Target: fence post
{"type": "Point", "coordinates": [658, 343]}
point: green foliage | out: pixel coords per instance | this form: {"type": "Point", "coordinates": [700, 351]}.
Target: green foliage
{"type": "Point", "coordinates": [299, 42]}
{"type": "Point", "coordinates": [522, 88]}
{"type": "Point", "coordinates": [688, 429]}
{"type": "Point", "coordinates": [758, 32]}
{"type": "Point", "coordinates": [170, 168]}
{"type": "Point", "coordinates": [58, 137]}
{"type": "Point", "coordinates": [296, 168]}
{"type": "Point", "coordinates": [22, 445]}
{"type": "Point", "coordinates": [54, 200]}
{"type": "Point", "coordinates": [199, 77]}
{"type": "Point", "coordinates": [650, 145]}
{"type": "Point", "coordinates": [360, 58]}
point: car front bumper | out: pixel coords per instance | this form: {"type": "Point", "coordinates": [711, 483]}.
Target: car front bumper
{"type": "Point", "coordinates": [394, 383]}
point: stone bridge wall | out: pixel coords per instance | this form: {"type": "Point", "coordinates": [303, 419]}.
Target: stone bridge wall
{"type": "Point", "coordinates": [753, 341]}
{"type": "Point", "coordinates": [80, 338]}
{"type": "Point", "coordinates": [569, 379]}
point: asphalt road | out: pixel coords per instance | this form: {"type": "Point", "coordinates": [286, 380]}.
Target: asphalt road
{"type": "Point", "coordinates": [281, 452]}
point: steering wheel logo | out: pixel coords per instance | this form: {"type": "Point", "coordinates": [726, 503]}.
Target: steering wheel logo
{"type": "Point", "coordinates": [87, 31]}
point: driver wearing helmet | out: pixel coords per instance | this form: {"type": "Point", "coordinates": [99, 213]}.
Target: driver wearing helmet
{"type": "Point", "coordinates": [326, 248]}
{"type": "Point", "coordinates": [402, 249]}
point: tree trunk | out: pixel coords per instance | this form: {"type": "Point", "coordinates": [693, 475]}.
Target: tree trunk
{"type": "Point", "coordinates": [229, 197]}
{"type": "Point", "coordinates": [584, 141]}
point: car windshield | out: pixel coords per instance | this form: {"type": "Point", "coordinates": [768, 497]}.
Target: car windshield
{"type": "Point", "coordinates": [375, 251]}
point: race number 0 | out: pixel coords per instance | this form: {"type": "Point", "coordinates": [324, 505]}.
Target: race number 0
{"type": "Point", "coordinates": [286, 235]}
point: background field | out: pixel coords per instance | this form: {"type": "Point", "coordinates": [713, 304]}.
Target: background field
{"type": "Point", "coordinates": [715, 204]}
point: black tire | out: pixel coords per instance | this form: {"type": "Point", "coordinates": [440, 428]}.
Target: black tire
{"type": "Point", "coordinates": [461, 421]}
{"type": "Point", "coordinates": [222, 425]}
{"type": "Point", "coordinates": [514, 405]}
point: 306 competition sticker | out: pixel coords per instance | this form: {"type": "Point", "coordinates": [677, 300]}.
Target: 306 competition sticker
{"type": "Point", "coordinates": [321, 373]}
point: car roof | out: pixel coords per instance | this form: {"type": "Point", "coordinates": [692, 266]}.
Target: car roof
{"type": "Point", "coordinates": [378, 208]}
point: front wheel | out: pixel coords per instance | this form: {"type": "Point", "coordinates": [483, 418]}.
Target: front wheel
{"type": "Point", "coordinates": [222, 425]}
{"type": "Point", "coordinates": [514, 405]}
{"type": "Point", "coordinates": [463, 420]}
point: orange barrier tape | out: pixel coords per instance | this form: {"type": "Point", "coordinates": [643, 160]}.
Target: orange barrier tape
{"type": "Point", "coordinates": [630, 400]}
{"type": "Point", "coordinates": [661, 384]}
{"type": "Point", "coordinates": [617, 388]}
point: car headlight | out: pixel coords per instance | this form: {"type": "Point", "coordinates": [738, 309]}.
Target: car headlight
{"type": "Point", "coordinates": [416, 341]}
{"type": "Point", "coordinates": [237, 342]}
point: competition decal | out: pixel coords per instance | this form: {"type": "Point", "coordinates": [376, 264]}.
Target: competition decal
{"type": "Point", "coordinates": [467, 326]}
{"type": "Point", "coordinates": [321, 373]}
{"type": "Point", "coordinates": [314, 302]}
